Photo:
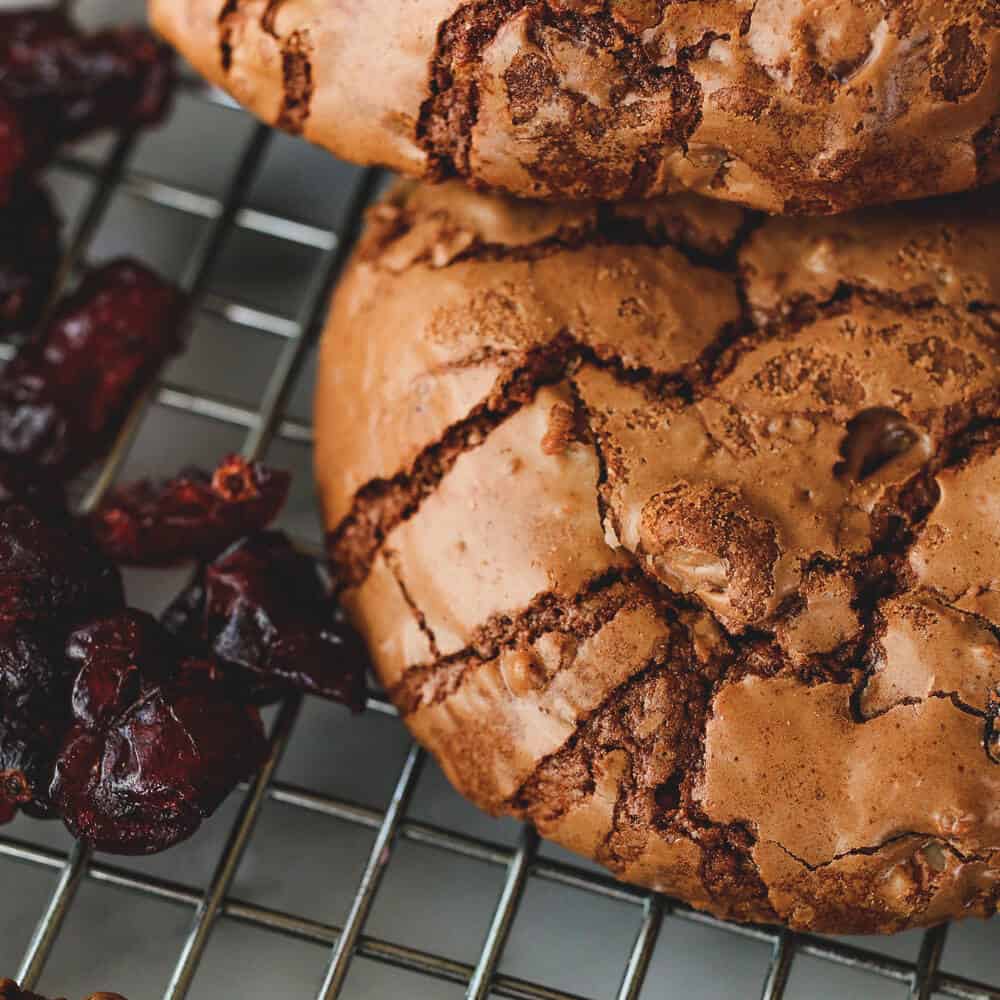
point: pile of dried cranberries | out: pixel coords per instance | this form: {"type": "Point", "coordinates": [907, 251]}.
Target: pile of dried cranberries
{"type": "Point", "coordinates": [132, 730]}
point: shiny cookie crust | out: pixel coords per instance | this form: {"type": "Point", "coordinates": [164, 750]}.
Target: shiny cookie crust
{"type": "Point", "coordinates": [787, 106]}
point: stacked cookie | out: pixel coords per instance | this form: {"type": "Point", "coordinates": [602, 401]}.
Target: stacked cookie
{"type": "Point", "coordinates": [672, 527]}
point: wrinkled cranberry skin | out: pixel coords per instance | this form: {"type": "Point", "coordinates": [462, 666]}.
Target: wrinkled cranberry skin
{"type": "Point", "coordinates": [66, 84]}
{"type": "Point", "coordinates": [266, 610]}
{"type": "Point", "coordinates": [65, 394]}
{"type": "Point", "coordinates": [193, 516]}
{"type": "Point", "coordinates": [262, 610]}
{"type": "Point", "coordinates": [35, 679]}
{"type": "Point", "coordinates": [35, 683]}
{"type": "Point", "coordinates": [157, 742]}
{"type": "Point", "coordinates": [115, 659]}
{"type": "Point", "coordinates": [184, 619]}
{"type": "Point", "coordinates": [27, 760]}
{"type": "Point", "coordinates": [185, 615]}
{"type": "Point", "coordinates": [50, 570]}
{"type": "Point", "coordinates": [29, 255]}
{"type": "Point", "coordinates": [51, 576]}
{"type": "Point", "coordinates": [146, 781]}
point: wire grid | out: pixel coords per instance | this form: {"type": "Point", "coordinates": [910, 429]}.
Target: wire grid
{"type": "Point", "coordinates": [214, 902]}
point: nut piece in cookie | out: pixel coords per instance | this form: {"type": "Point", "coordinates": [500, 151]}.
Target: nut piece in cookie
{"type": "Point", "coordinates": [706, 540]}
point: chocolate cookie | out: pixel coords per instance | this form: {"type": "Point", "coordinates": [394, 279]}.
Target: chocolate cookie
{"type": "Point", "coordinates": [796, 106]}
{"type": "Point", "coordinates": [676, 534]}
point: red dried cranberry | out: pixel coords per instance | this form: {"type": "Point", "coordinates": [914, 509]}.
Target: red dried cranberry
{"type": "Point", "coordinates": [35, 678]}
{"type": "Point", "coordinates": [27, 761]}
{"type": "Point", "coordinates": [266, 611]}
{"type": "Point", "coordinates": [192, 516]}
{"type": "Point", "coordinates": [51, 571]}
{"type": "Point", "coordinates": [115, 659]}
{"type": "Point", "coordinates": [66, 84]}
{"type": "Point", "coordinates": [184, 617]}
{"type": "Point", "coordinates": [29, 255]}
{"type": "Point", "coordinates": [156, 745]}
{"type": "Point", "coordinates": [65, 394]}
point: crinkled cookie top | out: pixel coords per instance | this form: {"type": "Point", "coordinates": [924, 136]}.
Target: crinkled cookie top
{"type": "Point", "coordinates": [794, 106]}
{"type": "Point", "coordinates": [676, 533]}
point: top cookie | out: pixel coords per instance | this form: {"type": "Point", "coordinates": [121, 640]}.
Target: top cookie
{"type": "Point", "coordinates": [793, 106]}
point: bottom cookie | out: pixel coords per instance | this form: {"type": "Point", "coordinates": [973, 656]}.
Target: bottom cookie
{"type": "Point", "coordinates": [673, 531]}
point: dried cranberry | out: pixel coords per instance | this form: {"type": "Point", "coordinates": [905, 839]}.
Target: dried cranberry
{"type": "Point", "coordinates": [35, 684]}
{"type": "Point", "coordinates": [157, 743]}
{"type": "Point", "coordinates": [190, 516]}
{"type": "Point", "coordinates": [65, 84]}
{"type": "Point", "coordinates": [185, 616]}
{"type": "Point", "coordinates": [27, 760]}
{"type": "Point", "coordinates": [35, 677]}
{"type": "Point", "coordinates": [51, 576]}
{"type": "Point", "coordinates": [115, 659]}
{"type": "Point", "coordinates": [64, 396]}
{"type": "Point", "coordinates": [29, 255]}
{"type": "Point", "coordinates": [184, 619]}
{"type": "Point", "coordinates": [50, 569]}
{"type": "Point", "coordinates": [261, 608]}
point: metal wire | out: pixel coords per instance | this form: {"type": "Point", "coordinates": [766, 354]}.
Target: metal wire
{"type": "Point", "coordinates": [378, 861]}
{"type": "Point", "coordinates": [642, 950]}
{"type": "Point", "coordinates": [213, 902]}
{"type": "Point", "coordinates": [782, 955]}
{"type": "Point", "coordinates": [503, 918]}
{"type": "Point", "coordinates": [239, 837]}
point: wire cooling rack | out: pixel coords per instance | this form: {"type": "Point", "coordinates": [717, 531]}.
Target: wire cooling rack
{"type": "Point", "coordinates": [539, 926]}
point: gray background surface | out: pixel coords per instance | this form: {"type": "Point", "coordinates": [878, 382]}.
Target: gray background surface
{"type": "Point", "coordinates": [301, 862]}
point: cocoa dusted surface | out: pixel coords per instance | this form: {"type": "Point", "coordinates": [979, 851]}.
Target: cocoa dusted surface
{"type": "Point", "coordinates": [787, 106]}
{"type": "Point", "coordinates": [673, 531]}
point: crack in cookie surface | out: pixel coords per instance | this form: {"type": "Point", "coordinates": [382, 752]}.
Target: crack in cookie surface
{"type": "Point", "coordinates": [228, 13]}
{"type": "Point", "coordinates": [297, 73]}
{"type": "Point", "coordinates": [382, 505]}
{"type": "Point", "coordinates": [558, 618]}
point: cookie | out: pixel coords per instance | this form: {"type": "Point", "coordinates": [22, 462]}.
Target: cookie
{"type": "Point", "coordinates": [673, 531]}
{"type": "Point", "coordinates": [794, 106]}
